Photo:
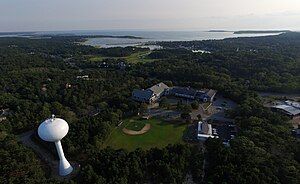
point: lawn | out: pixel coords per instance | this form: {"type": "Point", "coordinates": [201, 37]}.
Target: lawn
{"type": "Point", "coordinates": [139, 57]}
{"type": "Point", "coordinates": [160, 135]}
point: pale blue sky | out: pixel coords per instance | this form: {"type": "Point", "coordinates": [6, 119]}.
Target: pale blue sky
{"type": "Point", "coordinates": [42, 15]}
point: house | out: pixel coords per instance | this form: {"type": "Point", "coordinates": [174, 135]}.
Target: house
{"type": "Point", "coordinates": [68, 85]}
{"type": "Point", "coordinates": [82, 77]}
{"type": "Point", "coordinates": [2, 119]}
{"type": "Point", "coordinates": [150, 95]}
{"type": "Point", "coordinates": [144, 96]}
{"type": "Point", "coordinates": [190, 93]}
{"type": "Point", "coordinates": [3, 113]}
{"type": "Point", "coordinates": [184, 92]}
{"type": "Point", "coordinates": [154, 93]}
{"type": "Point", "coordinates": [289, 108]}
{"type": "Point", "coordinates": [204, 131]}
{"type": "Point", "coordinates": [158, 90]}
{"type": "Point", "coordinates": [206, 96]}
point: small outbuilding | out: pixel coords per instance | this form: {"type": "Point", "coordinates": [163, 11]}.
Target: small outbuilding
{"type": "Point", "coordinates": [289, 108]}
{"type": "Point", "coordinates": [204, 131]}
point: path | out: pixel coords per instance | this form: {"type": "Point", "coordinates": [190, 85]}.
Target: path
{"type": "Point", "coordinates": [45, 155]}
{"type": "Point", "coordinates": [289, 96]}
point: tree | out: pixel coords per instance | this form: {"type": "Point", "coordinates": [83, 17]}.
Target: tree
{"type": "Point", "coordinates": [143, 108]}
{"type": "Point", "coordinates": [164, 103]}
{"type": "Point", "coordinates": [199, 117]}
{"type": "Point", "coordinates": [195, 105]}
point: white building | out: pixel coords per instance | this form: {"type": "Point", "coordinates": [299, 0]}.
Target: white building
{"type": "Point", "coordinates": [204, 131]}
{"type": "Point", "coordinates": [290, 108]}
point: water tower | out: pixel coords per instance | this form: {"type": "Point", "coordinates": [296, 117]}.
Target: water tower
{"type": "Point", "coordinates": [53, 130]}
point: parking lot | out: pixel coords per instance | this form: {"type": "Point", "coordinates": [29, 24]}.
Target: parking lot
{"type": "Point", "coordinates": [163, 113]}
{"type": "Point", "coordinates": [223, 103]}
{"type": "Point", "coordinates": [224, 128]}
{"type": "Point", "coordinates": [215, 114]}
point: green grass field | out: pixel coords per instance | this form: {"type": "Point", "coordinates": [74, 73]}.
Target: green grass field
{"type": "Point", "coordinates": [139, 57]}
{"type": "Point", "coordinates": [160, 135]}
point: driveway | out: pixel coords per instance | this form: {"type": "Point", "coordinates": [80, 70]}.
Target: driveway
{"type": "Point", "coordinates": [45, 155]}
{"type": "Point", "coordinates": [220, 101]}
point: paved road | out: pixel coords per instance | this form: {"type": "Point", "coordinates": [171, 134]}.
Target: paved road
{"type": "Point", "coordinates": [201, 111]}
{"type": "Point", "coordinates": [290, 96]}
{"type": "Point", "coordinates": [220, 101]}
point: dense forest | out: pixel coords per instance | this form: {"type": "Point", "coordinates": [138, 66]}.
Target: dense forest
{"type": "Point", "coordinates": [40, 77]}
{"type": "Point", "coordinates": [269, 63]}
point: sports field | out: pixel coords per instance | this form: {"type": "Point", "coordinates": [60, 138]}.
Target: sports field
{"type": "Point", "coordinates": [160, 135]}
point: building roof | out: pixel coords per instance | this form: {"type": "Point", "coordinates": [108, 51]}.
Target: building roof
{"type": "Point", "coordinates": [211, 93]}
{"type": "Point", "coordinates": [200, 93]}
{"type": "Point", "coordinates": [204, 128]}
{"type": "Point", "coordinates": [144, 94]}
{"type": "Point", "coordinates": [288, 109]}
{"type": "Point", "coordinates": [159, 88]}
{"type": "Point", "coordinates": [184, 91]}
{"type": "Point", "coordinates": [292, 103]}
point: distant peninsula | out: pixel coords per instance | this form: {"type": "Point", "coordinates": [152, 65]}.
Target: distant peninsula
{"type": "Point", "coordinates": [260, 31]}
{"type": "Point", "coordinates": [219, 31]}
{"type": "Point", "coordinates": [91, 36]}
{"type": "Point", "coordinates": [109, 36]}
{"type": "Point", "coordinates": [17, 33]}
{"type": "Point", "coordinates": [48, 35]}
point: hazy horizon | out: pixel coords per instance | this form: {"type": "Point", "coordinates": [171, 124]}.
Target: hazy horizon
{"type": "Point", "coordinates": [148, 15]}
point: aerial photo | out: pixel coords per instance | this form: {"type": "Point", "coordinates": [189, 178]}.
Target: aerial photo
{"type": "Point", "coordinates": [150, 92]}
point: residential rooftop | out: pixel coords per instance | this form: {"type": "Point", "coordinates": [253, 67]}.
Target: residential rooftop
{"type": "Point", "coordinates": [291, 110]}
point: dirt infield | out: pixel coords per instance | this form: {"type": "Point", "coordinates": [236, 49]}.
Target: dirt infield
{"type": "Point", "coordinates": [145, 129]}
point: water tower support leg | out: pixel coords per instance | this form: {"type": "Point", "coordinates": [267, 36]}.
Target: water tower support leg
{"type": "Point", "coordinates": [65, 167]}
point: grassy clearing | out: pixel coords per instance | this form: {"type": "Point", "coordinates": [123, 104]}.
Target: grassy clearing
{"type": "Point", "coordinates": [160, 135]}
{"type": "Point", "coordinates": [97, 58]}
{"type": "Point", "coordinates": [139, 57]}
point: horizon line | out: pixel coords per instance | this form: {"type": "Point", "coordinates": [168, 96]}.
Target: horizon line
{"type": "Point", "coordinates": [147, 30]}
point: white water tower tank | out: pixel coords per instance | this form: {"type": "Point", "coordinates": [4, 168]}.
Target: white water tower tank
{"type": "Point", "coordinates": [53, 130]}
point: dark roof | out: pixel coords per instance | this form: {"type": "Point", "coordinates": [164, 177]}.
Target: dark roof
{"type": "Point", "coordinates": [144, 94]}
{"type": "Point", "coordinates": [184, 91]}
{"type": "Point", "coordinates": [159, 88]}
{"type": "Point", "coordinates": [200, 93]}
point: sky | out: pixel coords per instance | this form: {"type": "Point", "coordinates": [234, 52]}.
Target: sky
{"type": "Point", "coordinates": [171, 15]}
